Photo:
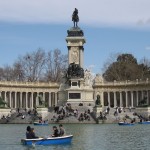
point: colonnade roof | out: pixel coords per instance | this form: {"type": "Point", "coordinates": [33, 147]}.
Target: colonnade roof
{"type": "Point", "coordinates": [126, 83]}
{"type": "Point", "coordinates": [29, 84]}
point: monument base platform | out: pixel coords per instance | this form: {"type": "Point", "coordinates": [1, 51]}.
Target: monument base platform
{"type": "Point", "coordinates": [97, 110]}
{"type": "Point", "coordinates": [4, 112]}
{"type": "Point", "coordinates": [143, 111]}
{"type": "Point", "coordinates": [42, 111]}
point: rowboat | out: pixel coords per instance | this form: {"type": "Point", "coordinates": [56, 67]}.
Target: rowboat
{"type": "Point", "coordinates": [48, 141]}
{"type": "Point", "coordinates": [144, 122]}
{"type": "Point", "coordinates": [125, 124]}
{"type": "Point", "coordinates": [40, 123]}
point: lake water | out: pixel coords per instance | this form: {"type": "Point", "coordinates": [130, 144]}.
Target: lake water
{"type": "Point", "coordinates": [86, 137]}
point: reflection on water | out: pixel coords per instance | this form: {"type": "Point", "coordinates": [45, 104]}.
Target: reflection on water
{"type": "Point", "coordinates": [86, 137]}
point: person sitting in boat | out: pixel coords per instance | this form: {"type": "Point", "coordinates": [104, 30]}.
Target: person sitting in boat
{"type": "Point", "coordinates": [28, 136]}
{"type": "Point", "coordinates": [32, 133]}
{"type": "Point", "coordinates": [55, 132]}
{"type": "Point", "coordinates": [61, 130]}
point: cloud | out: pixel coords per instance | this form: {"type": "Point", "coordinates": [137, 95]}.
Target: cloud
{"type": "Point", "coordinates": [94, 13]}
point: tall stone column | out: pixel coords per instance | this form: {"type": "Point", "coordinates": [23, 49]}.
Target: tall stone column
{"type": "Point", "coordinates": [0, 94]}
{"type": "Point", "coordinates": [37, 100]}
{"type": "Point", "coordinates": [26, 100]}
{"type": "Point", "coordinates": [109, 99]}
{"type": "Point", "coordinates": [81, 57]}
{"type": "Point", "coordinates": [69, 54]}
{"type": "Point", "coordinates": [127, 99]}
{"type": "Point", "coordinates": [15, 99]}
{"type": "Point", "coordinates": [55, 98]}
{"type": "Point", "coordinates": [10, 102]}
{"type": "Point", "coordinates": [31, 100]}
{"type": "Point", "coordinates": [44, 96]}
{"type": "Point", "coordinates": [49, 100]}
{"type": "Point", "coordinates": [20, 99]}
{"type": "Point", "coordinates": [120, 99]}
{"type": "Point", "coordinates": [115, 104]}
{"type": "Point", "coordinates": [102, 98]}
{"type": "Point", "coordinates": [142, 95]}
{"type": "Point", "coordinates": [132, 99]}
{"type": "Point", "coordinates": [5, 98]}
{"type": "Point", "coordinates": [137, 98]}
{"type": "Point", "coordinates": [147, 95]}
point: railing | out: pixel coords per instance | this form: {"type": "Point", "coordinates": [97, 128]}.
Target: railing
{"type": "Point", "coordinates": [120, 83]}
{"type": "Point", "coordinates": [16, 83]}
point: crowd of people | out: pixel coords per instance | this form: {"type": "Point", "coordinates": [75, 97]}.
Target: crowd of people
{"type": "Point", "coordinates": [30, 134]}
{"type": "Point", "coordinates": [62, 112]}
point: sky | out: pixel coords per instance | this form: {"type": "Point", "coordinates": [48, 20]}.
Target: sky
{"type": "Point", "coordinates": [109, 26]}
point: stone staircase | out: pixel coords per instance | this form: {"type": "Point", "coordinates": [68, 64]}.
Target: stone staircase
{"type": "Point", "coordinates": [71, 118]}
{"type": "Point", "coordinates": [18, 120]}
{"type": "Point", "coordinates": [115, 119]}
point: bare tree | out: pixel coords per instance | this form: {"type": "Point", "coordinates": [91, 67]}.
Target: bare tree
{"type": "Point", "coordinates": [36, 66]}
{"type": "Point", "coordinates": [30, 66]}
{"type": "Point", "coordinates": [7, 74]}
{"type": "Point", "coordinates": [56, 64]}
{"type": "Point", "coordinates": [18, 72]}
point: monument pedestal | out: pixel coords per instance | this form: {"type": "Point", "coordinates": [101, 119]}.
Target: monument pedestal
{"type": "Point", "coordinates": [4, 111]}
{"type": "Point", "coordinates": [143, 111]}
{"type": "Point", "coordinates": [78, 85]}
{"type": "Point", "coordinates": [97, 110]}
{"type": "Point", "coordinates": [79, 93]}
{"type": "Point", "coordinates": [42, 111]}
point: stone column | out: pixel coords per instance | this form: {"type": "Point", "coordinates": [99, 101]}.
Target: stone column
{"type": "Point", "coordinates": [26, 100]}
{"type": "Point", "coordinates": [81, 57]}
{"type": "Point", "coordinates": [5, 98]}
{"type": "Point", "coordinates": [120, 99]}
{"type": "Point", "coordinates": [31, 100]}
{"type": "Point", "coordinates": [0, 94]}
{"type": "Point", "coordinates": [44, 97]}
{"type": "Point", "coordinates": [15, 100]}
{"type": "Point", "coordinates": [109, 99]}
{"type": "Point", "coordinates": [102, 98]}
{"type": "Point", "coordinates": [37, 100]}
{"type": "Point", "coordinates": [69, 55]}
{"type": "Point", "coordinates": [49, 101]}
{"type": "Point", "coordinates": [142, 95]}
{"type": "Point", "coordinates": [20, 99]}
{"type": "Point", "coordinates": [137, 98]}
{"type": "Point", "coordinates": [127, 99]}
{"type": "Point", "coordinates": [147, 97]}
{"type": "Point", "coordinates": [132, 99]}
{"type": "Point", "coordinates": [115, 104]}
{"type": "Point", "coordinates": [55, 98]}
{"type": "Point", "coordinates": [10, 99]}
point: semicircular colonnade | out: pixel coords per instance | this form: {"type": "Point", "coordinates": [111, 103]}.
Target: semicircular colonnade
{"type": "Point", "coordinates": [25, 94]}
{"type": "Point", "coordinates": [122, 94]}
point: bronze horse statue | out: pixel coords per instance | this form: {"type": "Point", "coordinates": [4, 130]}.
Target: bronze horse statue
{"type": "Point", "coordinates": [75, 17]}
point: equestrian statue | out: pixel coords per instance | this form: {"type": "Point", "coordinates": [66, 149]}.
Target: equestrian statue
{"type": "Point", "coordinates": [75, 17]}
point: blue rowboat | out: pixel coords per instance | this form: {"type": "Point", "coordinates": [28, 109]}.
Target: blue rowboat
{"type": "Point", "coordinates": [48, 141]}
{"type": "Point", "coordinates": [40, 123]}
{"type": "Point", "coordinates": [125, 124]}
{"type": "Point", "coordinates": [144, 122]}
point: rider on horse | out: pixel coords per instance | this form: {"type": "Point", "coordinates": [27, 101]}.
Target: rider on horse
{"type": "Point", "coordinates": [75, 17]}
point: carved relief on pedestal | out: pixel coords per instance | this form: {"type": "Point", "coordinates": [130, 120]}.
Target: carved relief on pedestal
{"type": "Point", "coordinates": [75, 55]}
